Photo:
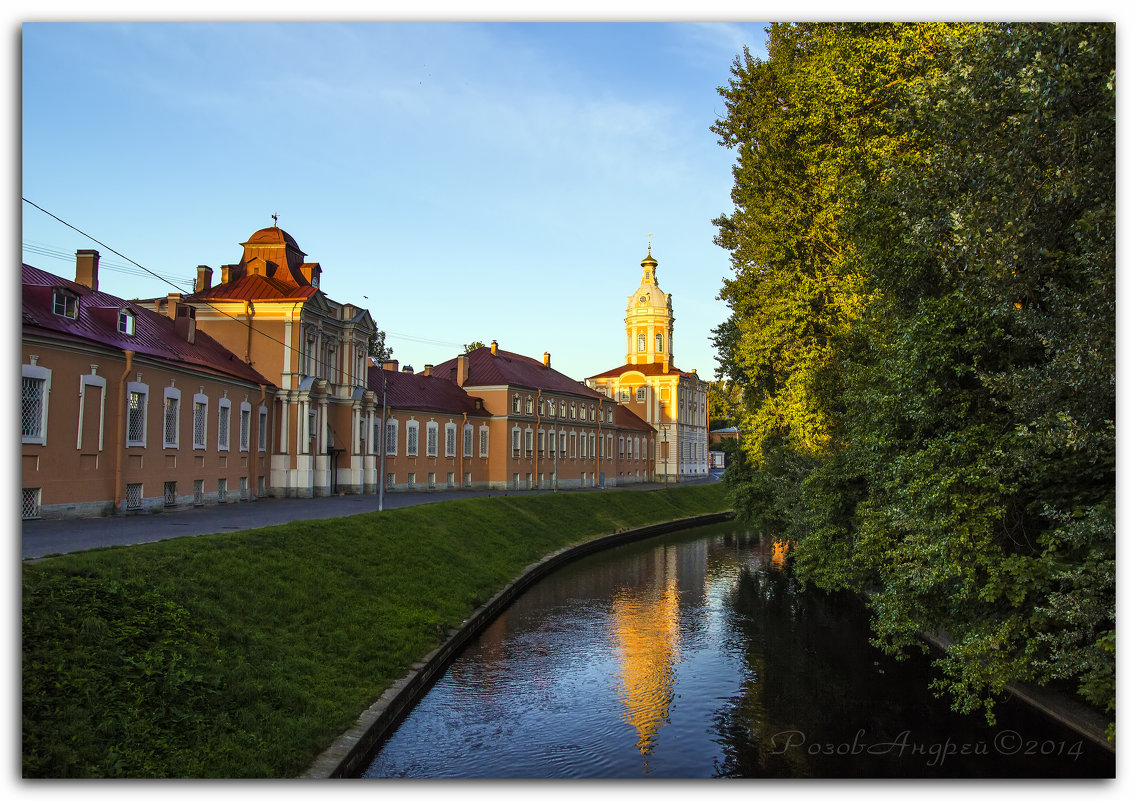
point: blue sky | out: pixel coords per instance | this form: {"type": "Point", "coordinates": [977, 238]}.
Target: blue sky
{"type": "Point", "coordinates": [463, 181]}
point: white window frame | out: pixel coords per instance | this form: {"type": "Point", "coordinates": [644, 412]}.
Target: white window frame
{"type": "Point", "coordinates": [126, 322]}
{"type": "Point", "coordinates": [468, 441]}
{"type": "Point", "coordinates": [36, 373]}
{"type": "Point", "coordinates": [391, 441]}
{"type": "Point", "coordinates": [201, 402]}
{"type": "Point", "coordinates": [136, 388]}
{"type": "Point", "coordinates": [262, 428]}
{"type": "Point", "coordinates": [171, 394]}
{"type": "Point", "coordinates": [484, 441]}
{"type": "Point", "coordinates": [224, 408]}
{"type": "Point", "coordinates": [70, 303]}
{"type": "Point", "coordinates": [412, 428]}
{"type": "Point", "coordinates": [450, 440]}
{"type": "Point", "coordinates": [516, 442]}
{"type": "Point", "coordinates": [245, 424]}
{"type": "Point", "coordinates": [432, 438]}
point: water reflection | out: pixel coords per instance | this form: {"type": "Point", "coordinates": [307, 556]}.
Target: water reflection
{"type": "Point", "coordinates": [645, 630]}
{"type": "Point", "coordinates": [695, 655]}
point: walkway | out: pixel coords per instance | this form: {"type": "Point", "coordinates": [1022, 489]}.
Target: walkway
{"type": "Point", "coordinates": [45, 537]}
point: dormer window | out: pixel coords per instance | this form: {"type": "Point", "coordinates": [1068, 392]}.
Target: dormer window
{"type": "Point", "coordinates": [126, 322]}
{"type": "Point", "coordinates": [65, 304]}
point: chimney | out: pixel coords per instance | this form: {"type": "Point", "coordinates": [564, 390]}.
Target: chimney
{"type": "Point", "coordinates": [462, 370]}
{"type": "Point", "coordinates": [391, 365]}
{"type": "Point", "coordinates": [408, 368]}
{"type": "Point", "coordinates": [172, 304]}
{"type": "Point", "coordinates": [546, 358]}
{"type": "Point", "coordinates": [87, 268]}
{"type": "Point", "coordinates": [205, 278]}
{"type": "Point", "coordinates": [428, 369]}
{"type": "Point", "coordinates": [185, 324]}
{"type": "Point", "coordinates": [226, 271]}
{"type": "Point", "coordinates": [493, 347]}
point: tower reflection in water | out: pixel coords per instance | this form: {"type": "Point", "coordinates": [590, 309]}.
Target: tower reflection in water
{"type": "Point", "coordinates": [645, 632]}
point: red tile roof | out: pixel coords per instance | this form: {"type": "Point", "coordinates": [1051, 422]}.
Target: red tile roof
{"type": "Point", "coordinates": [422, 392]}
{"type": "Point", "coordinates": [255, 287]}
{"type": "Point", "coordinates": [97, 323]}
{"type": "Point", "coordinates": [654, 368]}
{"type": "Point", "coordinates": [515, 370]}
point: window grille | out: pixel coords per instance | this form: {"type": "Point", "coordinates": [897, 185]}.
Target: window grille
{"type": "Point", "coordinates": [468, 441]}
{"type": "Point", "coordinates": [170, 426]}
{"type": "Point", "coordinates": [244, 486]}
{"type": "Point", "coordinates": [263, 429]}
{"type": "Point", "coordinates": [133, 496]}
{"type": "Point", "coordinates": [199, 491]}
{"type": "Point", "coordinates": [430, 480]}
{"type": "Point", "coordinates": [260, 486]}
{"type": "Point", "coordinates": [410, 481]}
{"type": "Point", "coordinates": [30, 504]}
{"type": "Point", "coordinates": [199, 424]}
{"type": "Point", "coordinates": [451, 434]}
{"type": "Point", "coordinates": [483, 442]}
{"type": "Point", "coordinates": [246, 416]}
{"type": "Point", "coordinates": [432, 440]}
{"type": "Point", "coordinates": [641, 393]}
{"type": "Point", "coordinates": [466, 480]}
{"type": "Point", "coordinates": [222, 490]}
{"type": "Point", "coordinates": [390, 481]}
{"type": "Point", "coordinates": [223, 427]}
{"type": "Point", "coordinates": [31, 414]}
{"type": "Point", "coordinates": [517, 442]}
{"type": "Point", "coordinates": [392, 439]}
{"type": "Point", "coordinates": [136, 419]}
{"type": "Point", "coordinates": [412, 439]}
{"type": "Point", "coordinates": [170, 493]}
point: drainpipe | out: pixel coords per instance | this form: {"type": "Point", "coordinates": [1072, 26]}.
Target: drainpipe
{"type": "Point", "coordinates": [462, 449]}
{"type": "Point", "coordinates": [119, 432]}
{"type": "Point", "coordinates": [600, 442]}
{"type": "Point", "coordinates": [249, 312]}
{"type": "Point", "coordinates": [535, 435]}
{"type": "Point", "coordinates": [255, 449]}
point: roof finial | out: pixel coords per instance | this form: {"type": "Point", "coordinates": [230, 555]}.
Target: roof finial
{"type": "Point", "coordinates": [649, 244]}
{"type": "Point", "coordinates": [275, 225]}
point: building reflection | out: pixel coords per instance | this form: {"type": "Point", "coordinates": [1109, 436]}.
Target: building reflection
{"type": "Point", "coordinates": [646, 635]}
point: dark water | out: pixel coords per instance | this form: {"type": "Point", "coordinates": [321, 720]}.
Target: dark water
{"type": "Point", "coordinates": [696, 655]}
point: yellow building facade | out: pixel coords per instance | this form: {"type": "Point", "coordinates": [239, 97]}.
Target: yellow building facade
{"type": "Point", "coordinates": [672, 401]}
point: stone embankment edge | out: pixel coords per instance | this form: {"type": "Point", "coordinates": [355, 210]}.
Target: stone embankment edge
{"type": "Point", "coordinates": [1076, 716]}
{"type": "Point", "coordinates": [350, 754]}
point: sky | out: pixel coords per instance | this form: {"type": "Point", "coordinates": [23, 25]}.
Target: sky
{"type": "Point", "coordinates": [463, 181]}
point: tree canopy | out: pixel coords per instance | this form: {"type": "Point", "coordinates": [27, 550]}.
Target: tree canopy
{"type": "Point", "coordinates": [922, 327]}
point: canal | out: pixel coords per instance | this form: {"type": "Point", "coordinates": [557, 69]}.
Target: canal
{"type": "Point", "coordinates": [696, 655]}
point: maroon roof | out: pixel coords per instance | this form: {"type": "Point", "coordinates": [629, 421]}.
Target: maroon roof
{"type": "Point", "coordinates": [421, 392]}
{"type": "Point", "coordinates": [626, 418]}
{"type": "Point", "coordinates": [255, 287]}
{"type": "Point", "coordinates": [513, 369]}
{"type": "Point", "coordinates": [272, 236]}
{"type": "Point", "coordinates": [653, 368]}
{"type": "Point", "coordinates": [97, 323]}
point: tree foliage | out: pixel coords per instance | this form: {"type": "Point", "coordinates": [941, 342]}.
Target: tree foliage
{"type": "Point", "coordinates": [923, 329]}
{"type": "Point", "coordinates": [377, 346]}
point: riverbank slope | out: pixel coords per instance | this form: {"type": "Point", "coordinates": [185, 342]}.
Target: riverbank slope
{"type": "Point", "coordinates": [246, 654]}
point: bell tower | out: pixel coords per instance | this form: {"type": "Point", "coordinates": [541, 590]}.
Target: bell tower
{"type": "Point", "coordinates": [648, 321]}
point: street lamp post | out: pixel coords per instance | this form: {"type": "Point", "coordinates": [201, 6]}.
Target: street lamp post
{"type": "Point", "coordinates": [382, 477]}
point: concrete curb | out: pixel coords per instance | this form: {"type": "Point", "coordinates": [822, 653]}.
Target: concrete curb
{"type": "Point", "coordinates": [353, 750]}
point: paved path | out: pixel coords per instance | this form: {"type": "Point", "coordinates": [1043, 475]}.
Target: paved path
{"type": "Point", "coordinates": [44, 537]}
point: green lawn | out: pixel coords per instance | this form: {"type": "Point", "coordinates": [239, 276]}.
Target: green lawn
{"type": "Point", "coordinates": [246, 654]}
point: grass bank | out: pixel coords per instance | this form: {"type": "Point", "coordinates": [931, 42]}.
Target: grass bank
{"type": "Point", "coordinates": [245, 654]}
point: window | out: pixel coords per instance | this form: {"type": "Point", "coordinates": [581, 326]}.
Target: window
{"type": "Point", "coordinates": [529, 405]}
{"type": "Point", "coordinates": [516, 442]}
{"type": "Point", "coordinates": [529, 443]}
{"type": "Point", "coordinates": [624, 395]}
{"type": "Point", "coordinates": [592, 445]}
{"type": "Point", "coordinates": [659, 343]}
{"type": "Point", "coordinates": [65, 304]}
{"type": "Point", "coordinates": [136, 414]}
{"type": "Point", "coordinates": [126, 322]}
{"type": "Point", "coordinates": [641, 394]}
{"type": "Point", "coordinates": [561, 444]}
{"type": "Point", "coordinates": [517, 404]}
{"type": "Point", "coordinates": [243, 485]}
{"type": "Point", "coordinates": [243, 431]}
{"type": "Point", "coordinates": [468, 440]}
{"type": "Point", "coordinates": [540, 441]}
{"type": "Point", "coordinates": [608, 450]}
{"type": "Point", "coordinates": [170, 493]}
{"type": "Point", "coordinates": [432, 439]}
{"type": "Point", "coordinates": [412, 438]}
{"type": "Point", "coordinates": [33, 404]}
{"type": "Point", "coordinates": [30, 503]}
{"type": "Point", "coordinates": [573, 411]}
{"type": "Point", "coordinates": [223, 406]}
{"type": "Point", "coordinates": [609, 415]}
{"type": "Point", "coordinates": [573, 443]}
{"type": "Point", "coordinates": [171, 399]}
{"type": "Point", "coordinates": [199, 491]}
{"type": "Point", "coordinates": [133, 496]}
{"type": "Point", "coordinates": [201, 407]}
{"type": "Point", "coordinates": [483, 441]}
{"type": "Point", "coordinates": [562, 408]}
{"type": "Point", "coordinates": [222, 490]}
{"type": "Point", "coordinates": [466, 480]}
{"type": "Point", "coordinates": [262, 428]}
{"type": "Point", "coordinates": [592, 412]}
{"type": "Point", "coordinates": [390, 481]}
{"type": "Point", "coordinates": [410, 481]}
{"type": "Point", "coordinates": [451, 438]}
{"type": "Point", "coordinates": [430, 480]}
{"type": "Point", "coordinates": [392, 441]}
{"type": "Point", "coordinates": [640, 342]}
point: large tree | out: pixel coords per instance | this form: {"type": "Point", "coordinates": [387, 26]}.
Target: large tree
{"type": "Point", "coordinates": [929, 376]}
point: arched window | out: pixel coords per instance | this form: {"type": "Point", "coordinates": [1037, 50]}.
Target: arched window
{"type": "Point", "coordinates": [640, 346]}
{"type": "Point", "coordinates": [659, 343]}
